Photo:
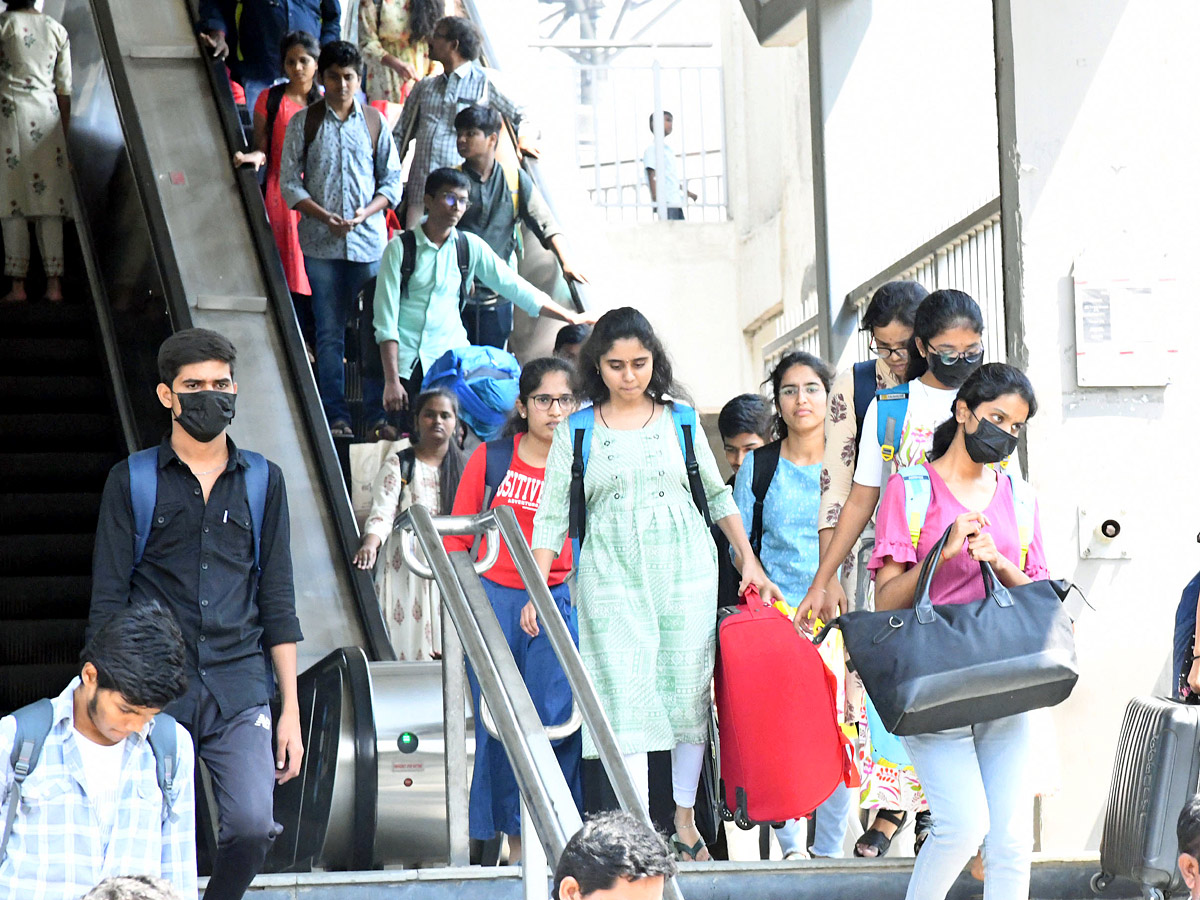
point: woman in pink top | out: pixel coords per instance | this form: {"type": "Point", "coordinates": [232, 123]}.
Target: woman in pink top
{"type": "Point", "coordinates": [976, 779]}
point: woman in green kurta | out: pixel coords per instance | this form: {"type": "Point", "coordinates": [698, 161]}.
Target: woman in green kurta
{"type": "Point", "coordinates": [647, 582]}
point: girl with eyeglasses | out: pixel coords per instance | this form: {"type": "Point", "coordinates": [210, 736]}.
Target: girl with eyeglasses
{"type": "Point", "coordinates": [544, 402]}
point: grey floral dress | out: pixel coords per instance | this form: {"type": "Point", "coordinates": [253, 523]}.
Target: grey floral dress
{"type": "Point", "coordinates": [35, 66]}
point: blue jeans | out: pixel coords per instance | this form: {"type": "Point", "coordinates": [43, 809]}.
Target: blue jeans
{"type": "Point", "coordinates": [495, 799]}
{"type": "Point", "coordinates": [976, 780]}
{"type": "Point", "coordinates": [253, 87]}
{"type": "Point", "coordinates": [831, 817]}
{"type": "Point", "coordinates": [335, 285]}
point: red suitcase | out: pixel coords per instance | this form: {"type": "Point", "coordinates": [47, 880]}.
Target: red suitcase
{"type": "Point", "coordinates": [782, 750]}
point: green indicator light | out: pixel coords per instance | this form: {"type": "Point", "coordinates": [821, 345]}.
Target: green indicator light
{"type": "Point", "coordinates": [407, 742]}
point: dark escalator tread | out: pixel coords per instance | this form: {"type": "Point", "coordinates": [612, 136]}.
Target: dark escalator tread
{"type": "Point", "coordinates": [45, 596]}
{"type": "Point", "coordinates": [48, 513]}
{"type": "Point", "coordinates": [20, 685]}
{"type": "Point", "coordinates": [54, 472]}
{"type": "Point", "coordinates": [41, 641]}
{"type": "Point", "coordinates": [46, 554]}
{"type": "Point", "coordinates": [39, 319]}
{"type": "Point", "coordinates": [52, 393]}
{"type": "Point", "coordinates": [48, 355]}
{"type": "Point", "coordinates": [47, 431]}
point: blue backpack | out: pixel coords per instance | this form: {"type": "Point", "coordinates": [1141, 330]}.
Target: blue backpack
{"type": "Point", "coordinates": [486, 381]}
{"type": "Point", "coordinates": [33, 727]}
{"type": "Point", "coordinates": [582, 423]}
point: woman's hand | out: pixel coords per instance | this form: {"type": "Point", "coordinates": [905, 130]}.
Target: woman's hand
{"type": "Point", "coordinates": [753, 574]}
{"type": "Point", "coordinates": [966, 526]}
{"type": "Point", "coordinates": [529, 623]}
{"type": "Point", "coordinates": [400, 67]}
{"type": "Point", "coordinates": [255, 158]}
{"type": "Point", "coordinates": [982, 548]}
{"type": "Point", "coordinates": [1194, 677]}
{"type": "Point", "coordinates": [819, 603]}
{"type": "Point", "coordinates": [365, 557]}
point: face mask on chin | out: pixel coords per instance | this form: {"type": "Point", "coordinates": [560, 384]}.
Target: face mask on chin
{"type": "Point", "coordinates": [205, 414]}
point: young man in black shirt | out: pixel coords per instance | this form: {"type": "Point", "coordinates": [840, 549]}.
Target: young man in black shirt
{"type": "Point", "coordinates": [501, 196]}
{"type": "Point", "coordinates": [203, 527]}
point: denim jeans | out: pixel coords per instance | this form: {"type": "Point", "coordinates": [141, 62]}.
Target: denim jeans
{"type": "Point", "coordinates": [495, 323]}
{"type": "Point", "coordinates": [335, 285]}
{"type": "Point", "coordinates": [831, 818]}
{"type": "Point", "coordinates": [253, 87]}
{"type": "Point", "coordinates": [977, 783]}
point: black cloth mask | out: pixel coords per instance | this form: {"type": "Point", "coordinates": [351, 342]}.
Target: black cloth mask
{"type": "Point", "coordinates": [989, 443]}
{"type": "Point", "coordinates": [952, 375]}
{"type": "Point", "coordinates": [205, 414]}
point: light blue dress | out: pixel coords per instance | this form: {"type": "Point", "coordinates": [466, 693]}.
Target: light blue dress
{"type": "Point", "coordinates": [790, 554]}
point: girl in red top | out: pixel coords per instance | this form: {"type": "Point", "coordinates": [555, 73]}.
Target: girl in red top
{"type": "Point", "coordinates": [545, 401]}
{"type": "Point", "coordinates": [300, 52]}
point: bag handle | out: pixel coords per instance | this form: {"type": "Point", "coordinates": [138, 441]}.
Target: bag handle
{"type": "Point", "coordinates": [992, 588]}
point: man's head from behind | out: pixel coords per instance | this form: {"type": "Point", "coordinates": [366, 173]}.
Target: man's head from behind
{"type": "Point", "coordinates": [568, 341]}
{"type": "Point", "coordinates": [745, 425]}
{"type": "Point", "coordinates": [615, 856]}
{"type": "Point", "coordinates": [133, 887]}
{"type": "Point", "coordinates": [478, 132]}
{"type": "Point", "coordinates": [1187, 831]}
{"type": "Point", "coordinates": [447, 196]}
{"type": "Point", "coordinates": [130, 668]}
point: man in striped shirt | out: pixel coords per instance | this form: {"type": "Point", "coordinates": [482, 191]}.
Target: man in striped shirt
{"type": "Point", "coordinates": [429, 111]}
{"type": "Point", "coordinates": [91, 807]}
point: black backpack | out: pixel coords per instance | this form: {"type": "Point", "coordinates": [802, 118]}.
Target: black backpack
{"type": "Point", "coordinates": [408, 240]}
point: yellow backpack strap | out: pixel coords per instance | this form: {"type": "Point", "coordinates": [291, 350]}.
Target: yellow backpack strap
{"type": "Point", "coordinates": [918, 494]}
{"type": "Point", "coordinates": [512, 178]}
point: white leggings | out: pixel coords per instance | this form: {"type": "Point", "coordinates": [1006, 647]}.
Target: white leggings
{"type": "Point", "coordinates": [686, 762]}
{"type": "Point", "coordinates": [16, 245]}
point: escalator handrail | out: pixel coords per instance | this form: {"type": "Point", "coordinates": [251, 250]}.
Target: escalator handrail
{"type": "Point", "coordinates": [279, 299]}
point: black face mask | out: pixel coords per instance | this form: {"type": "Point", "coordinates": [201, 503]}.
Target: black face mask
{"type": "Point", "coordinates": [989, 443]}
{"type": "Point", "coordinates": [954, 374]}
{"type": "Point", "coordinates": [205, 414]}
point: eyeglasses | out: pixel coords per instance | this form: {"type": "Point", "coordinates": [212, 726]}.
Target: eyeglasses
{"type": "Point", "coordinates": [543, 402]}
{"type": "Point", "coordinates": [898, 353]}
{"type": "Point", "coordinates": [972, 356]}
{"type": "Point", "coordinates": [810, 390]}
{"type": "Point", "coordinates": [453, 200]}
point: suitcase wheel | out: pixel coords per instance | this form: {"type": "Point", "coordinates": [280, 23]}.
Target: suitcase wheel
{"type": "Point", "coordinates": [741, 821]}
{"type": "Point", "coordinates": [1100, 882]}
{"type": "Point", "coordinates": [726, 813]}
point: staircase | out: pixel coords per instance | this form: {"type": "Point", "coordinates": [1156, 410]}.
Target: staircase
{"type": "Point", "coordinates": [59, 436]}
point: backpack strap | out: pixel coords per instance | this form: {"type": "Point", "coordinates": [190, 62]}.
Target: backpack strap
{"type": "Point", "coordinates": [274, 99]}
{"type": "Point", "coordinates": [257, 476]}
{"type": "Point", "coordinates": [408, 265]}
{"type": "Point", "coordinates": [512, 178]}
{"type": "Point", "coordinates": [143, 493]}
{"type": "Point", "coordinates": [864, 391]}
{"type": "Point", "coordinates": [314, 118]}
{"type": "Point", "coordinates": [581, 424]}
{"type": "Point", "coordinates": [686, 427]}
{"type": "Point", "coordinates": [497, 461]}
{"type": "Point", "coordinates": [374, 129]}
{"type": "Point", "coordinates": [1025, 507]}
{"type": "Point", "coordinates": [33, 725]}
{"type": "Point", "coordinates": [463, 250]}
{"type": "Point", "coordinates": [918, 493]}
{"type": "Point", "coordinates": [766, 461]}
{"type": "Point", "coordinates": [163, 742]}
{"type": "Point", "coordinates": [408, 462]}
{"type": "Point", "coordinates": [891, 408]}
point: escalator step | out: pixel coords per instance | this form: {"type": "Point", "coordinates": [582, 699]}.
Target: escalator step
{"type": "Point", "coordinates": [20, 685]}
{"type": "Point", "coordinates": [38, 554]}
{"type": "Point", "coordinates": [45, 596]}
{"type": "Point", "coordinates": [48, 513]}
{"type": "Point", "coordinates": [48, 356]}
{"type": "Point", "coordinates": [43, 393]}
{"type": "Point", "coordinates": [45, 431]}
{"type": "Point", "coordinates": [41, 642]}
{"type": "Point", "coordinates": [40, 319]}
{"type": "Point", "coordinates": [54, 471]}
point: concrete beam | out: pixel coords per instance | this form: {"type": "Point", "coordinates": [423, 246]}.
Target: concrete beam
{"type": "Point", "coordinates": [776, 23]}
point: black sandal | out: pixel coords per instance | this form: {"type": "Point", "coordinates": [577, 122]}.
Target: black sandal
{"type": "Point", "coordinates": [922, 826]}
{"type": "Point", "coordinates": [875, 839]}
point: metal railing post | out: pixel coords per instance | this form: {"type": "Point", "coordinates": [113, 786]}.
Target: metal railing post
{"type": "Point", "coordinates": [533, 858]}
{"type": "Point", "coordinates": [660, 200]}
{"type": "Point", "coordinates": [454, 702]}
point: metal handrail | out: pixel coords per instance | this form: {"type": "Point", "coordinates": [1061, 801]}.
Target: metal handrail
{"type": "Point", "coordinates": [544, 791]}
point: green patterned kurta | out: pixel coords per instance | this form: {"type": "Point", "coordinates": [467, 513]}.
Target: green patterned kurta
{"type": "Point", "coordinates": [647, 585]}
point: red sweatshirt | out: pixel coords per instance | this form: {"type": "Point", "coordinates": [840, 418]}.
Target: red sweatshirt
{"type": "Point", "coordinates": [522, 490]}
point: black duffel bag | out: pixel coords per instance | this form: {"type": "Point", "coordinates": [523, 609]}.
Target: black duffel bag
{"type": "Point", "coordinates": [931, 668]}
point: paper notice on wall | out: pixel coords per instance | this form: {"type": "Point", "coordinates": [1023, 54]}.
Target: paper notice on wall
{"type": "Point", "coordinates": [1123, 336]}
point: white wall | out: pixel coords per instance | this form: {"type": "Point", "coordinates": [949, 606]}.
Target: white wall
{"type": "Point", "coordinates": [1105, 166]}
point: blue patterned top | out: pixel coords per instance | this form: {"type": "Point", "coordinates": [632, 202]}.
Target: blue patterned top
{"type": "Point", "coordinates": [790, 552]}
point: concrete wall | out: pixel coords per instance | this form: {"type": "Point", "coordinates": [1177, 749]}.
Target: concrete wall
{"type": "Point", "coordinates": [1099, 166]}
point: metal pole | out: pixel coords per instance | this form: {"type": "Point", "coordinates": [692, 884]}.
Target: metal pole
{"type": "Point", "coordinates": [660, 200]}
{"type": "Point", "coordinates": [533, 858]}
{"type": "Point", "coordinates": [454, 701]}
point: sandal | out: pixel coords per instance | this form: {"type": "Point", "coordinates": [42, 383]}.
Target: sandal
{"type": "Point", "coordinates": [341, 429]}
{"type": "Point", "coordinates": [874, 839]}
{"type": "Point", "coordinates": [922, 826]}
{"type": "Point", "coordinates": [681, 848]}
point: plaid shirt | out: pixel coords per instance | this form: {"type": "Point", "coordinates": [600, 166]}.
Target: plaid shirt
{"type": "Point", "coordinates": [428, 118]}
{"type": "Point", "coordinates": [57, 852]}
